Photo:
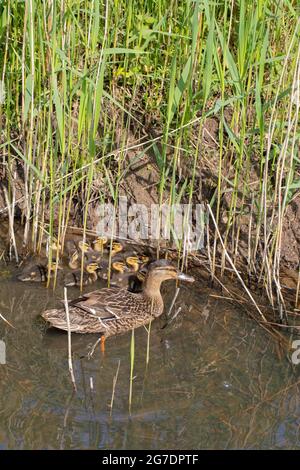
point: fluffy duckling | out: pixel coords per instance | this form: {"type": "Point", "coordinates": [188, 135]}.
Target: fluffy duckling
{"type": "Point", "coordinates": [33, 273]}
{"type": "Point", "coordinates": [89, 276]}
{"type": "Point", "coordinates": [74, 260]}
{"type": "Point", "coordinates": [116, 248]}
{"type": "Point", "coordinates": [84, 246]}
{"type": "Point", "coordinates": [99, 243]}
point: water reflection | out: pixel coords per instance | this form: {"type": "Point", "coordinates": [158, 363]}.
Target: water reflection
{"type": "Point", "coordinates": [214, 381]}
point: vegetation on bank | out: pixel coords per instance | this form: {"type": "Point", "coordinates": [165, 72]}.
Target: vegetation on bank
{"type": "Point", "coordinates": [83, 82]}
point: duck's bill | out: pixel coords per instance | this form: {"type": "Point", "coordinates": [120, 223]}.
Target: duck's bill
{"type": "Point", "coordinates": [185, 277]}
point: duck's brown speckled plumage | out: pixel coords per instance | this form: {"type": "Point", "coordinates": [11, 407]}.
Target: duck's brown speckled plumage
{"type": "Point", "coordinates": [111, 311]}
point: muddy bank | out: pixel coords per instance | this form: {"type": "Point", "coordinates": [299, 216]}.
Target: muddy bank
{"type": "Point", "coordinates": [140, 184]}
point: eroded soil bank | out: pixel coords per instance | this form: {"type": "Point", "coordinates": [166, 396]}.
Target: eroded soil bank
{"type": "Point", "coordinates": [140, 184]}
{"type": "Point", "coordinates": [240, 223]}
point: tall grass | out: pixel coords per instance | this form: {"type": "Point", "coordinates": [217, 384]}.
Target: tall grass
{"type": "Point", "coordinates": [81, 76]}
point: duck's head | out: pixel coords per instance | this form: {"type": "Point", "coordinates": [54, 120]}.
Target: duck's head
{"type": "Point", "coordinates": [99, 243]}
{"type": "Point", "coordinates": [162, 270]}
{"type": "Point", "coordinates": [84, 246]}
{"type": "Point", "coordinates": [119, 266]}
{"type": "Point", "coordinates": [74, 260]}
{"type": "Point", "coordinates": [133, 262]}
{"type": "Point", "coordinates": [92, 267]}
{"type": "Point", "coordinates": [116, 248]}
{"type": "Point", "coordinates": [54, 265]}
{"type": "Point", "coordinates": [144, 259]}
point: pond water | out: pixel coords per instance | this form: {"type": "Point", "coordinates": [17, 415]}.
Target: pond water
{"type": "Point", "coordinates": [214, 380]}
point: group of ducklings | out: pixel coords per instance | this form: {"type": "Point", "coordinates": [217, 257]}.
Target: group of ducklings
{"type": "Point", "coordinates": [84, 262]}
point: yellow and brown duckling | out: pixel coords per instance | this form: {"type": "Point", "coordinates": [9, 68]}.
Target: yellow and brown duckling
{"type": "Point", "coordinates": [54, 265]}
{"type": "Point", "coordinates": [86, 277]}
{"type": "Point", "coordinates": [124, 272]}
{"type": "Point", "coordinates": [111, 311]}
{"type": "Point", "coordinates": [120, 274]}
{"type": "Point", "coordinates": [77, 258]}
{"type": "Point", "coordinates": [136, 262]}
{"type": "Point", "coordinates": [116, 248]}
{"type": "Point", "coordinates": [55, 245]}
{"type": "Point", "coordinates": [130, 276]}
{"type": "Point", "coordinates": [84, 246]}
{"type": "Point", "coordinates": [74, 261]}
{"type": "Point", "coordinates": [97, 251]}
{"type": "Point", "coordinates": [99, 243]}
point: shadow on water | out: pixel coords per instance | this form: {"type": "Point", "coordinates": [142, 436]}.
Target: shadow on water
{"type": "Point", "coordinates": [214, 381]}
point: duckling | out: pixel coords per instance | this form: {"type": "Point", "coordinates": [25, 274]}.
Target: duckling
{"type": "Point", "coordinates": [84, 246]}
{"type": "Point", "coordinates": [120, 275]}
{"type": "Point", "coordinates": [94, 255]}
{"type": "Point", "coordinates": [74, 260]}
{"type": "Point", "coordinates": [111, 311]}
{"type": "Point", "coordinates": [33, 273]}
{"type": "Point", "coordinates": [70, 247]}
{"type": "Point", "coordinates": [98, 244]}
{"type": "Point", "coordinates": [54, 265]}
{"type": "Point", "coordinates": [55, 246]}
{"type": "Point", "coordinates": [124, 272]}
{"type": "Point", "coordinates": [116, 248]}
{"type": "Point", "coordinates": [38, 271]}
{"type": "Point", "coordinates": [136, 262]}
{"type": "Point", "coordinates": [89, 276]}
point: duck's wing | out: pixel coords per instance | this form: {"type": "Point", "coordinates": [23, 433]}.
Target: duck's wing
{"type": "Point", "coordinates": [106, 304]}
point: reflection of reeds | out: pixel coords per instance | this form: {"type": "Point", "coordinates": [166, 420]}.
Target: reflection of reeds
{"type": "Point", "coordinates": [69, 338]}
{"type": "Point", "coordinates": [131, 369]}
{"type": "Point", "coordinates": [114, 387]}
{"type": "Point", "coordinates": [148, 343]}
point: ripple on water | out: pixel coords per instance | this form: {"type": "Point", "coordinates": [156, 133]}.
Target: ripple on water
{"type": "Point", "coordinates": [213, 381]}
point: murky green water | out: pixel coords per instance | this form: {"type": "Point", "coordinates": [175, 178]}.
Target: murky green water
{"type": "Point", "coordinates": [214, 381]}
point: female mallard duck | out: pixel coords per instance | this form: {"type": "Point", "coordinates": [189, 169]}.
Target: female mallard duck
{"type": "Point", "coordinates": [111, 311]}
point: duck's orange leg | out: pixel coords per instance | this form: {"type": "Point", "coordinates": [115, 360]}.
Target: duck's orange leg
{"type": "Point", "coordinates": [102, 344]}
